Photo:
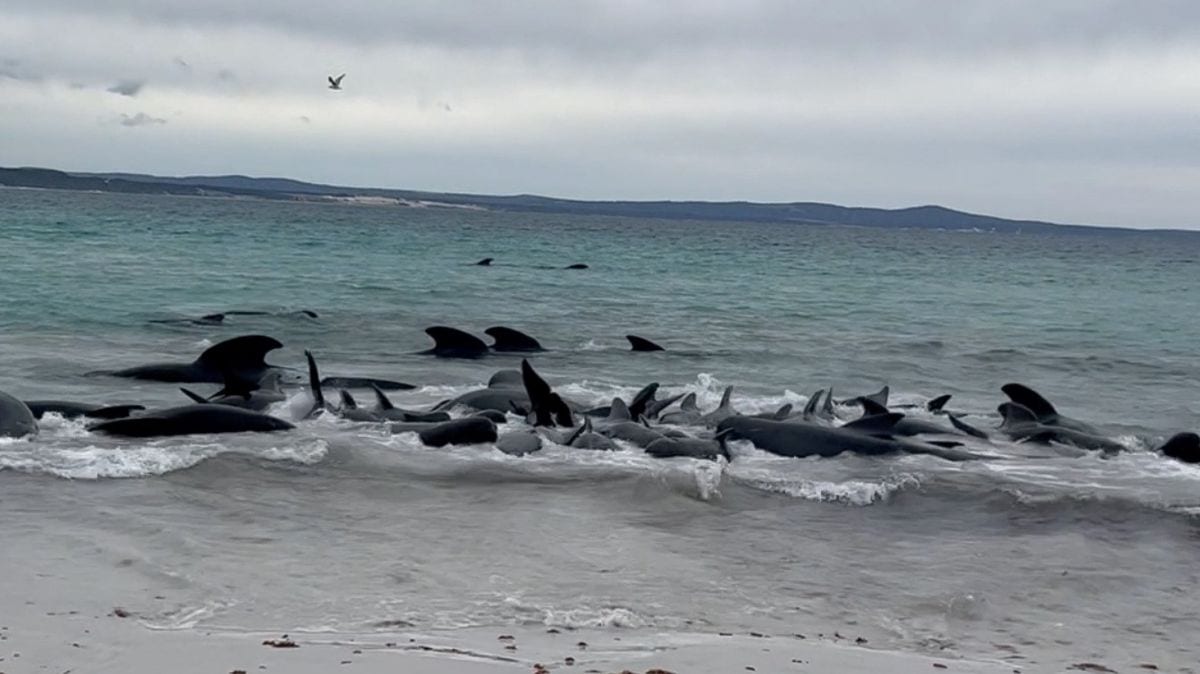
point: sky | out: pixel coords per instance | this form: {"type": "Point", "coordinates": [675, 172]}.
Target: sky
{"type": "Point", "coordinates": [1079, 111]}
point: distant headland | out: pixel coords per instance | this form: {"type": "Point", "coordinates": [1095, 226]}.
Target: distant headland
{"type": "Point", "coordinates": [808, 213]}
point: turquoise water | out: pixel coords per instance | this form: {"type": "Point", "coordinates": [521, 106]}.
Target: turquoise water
{"type": "Point", "coordinates": [1106, 325]}
{"type": "Point", "coordinates": [914, 552]}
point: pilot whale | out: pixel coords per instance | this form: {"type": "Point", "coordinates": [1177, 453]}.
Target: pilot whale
{"type": "Point", "coordinates": [192, 420]}
{"type": "Point", "coordinates": [242, 357]}
{"type": "Point", "coordinates": [870, 436]}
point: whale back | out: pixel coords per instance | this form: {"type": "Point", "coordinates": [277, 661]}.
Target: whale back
{"type": "Point", "coordinates": [508, 339]}
{"type": "Point", "coordinates": [454, 343]}
{"type": "Point", "coordinates": [619, 411]}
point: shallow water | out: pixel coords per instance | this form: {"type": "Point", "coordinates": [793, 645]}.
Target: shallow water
{"type": "Point", "coordinates": [1033, 557]}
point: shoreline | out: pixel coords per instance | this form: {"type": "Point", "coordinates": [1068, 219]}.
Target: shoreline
{"type": "Point", "coordinates": [83, 642]}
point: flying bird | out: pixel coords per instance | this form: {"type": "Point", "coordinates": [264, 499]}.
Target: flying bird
{"type": "Point", "coordinates": [335, 83]}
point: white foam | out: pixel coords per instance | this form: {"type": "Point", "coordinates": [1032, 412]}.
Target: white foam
{"type": "Point", "coordinates": [94, 461]}
{"type": "Point", "coordinates": [850, 492]}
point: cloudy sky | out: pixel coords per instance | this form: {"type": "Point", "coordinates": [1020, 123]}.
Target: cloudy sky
{"type": "Point", "coordinates": [1081, 111]}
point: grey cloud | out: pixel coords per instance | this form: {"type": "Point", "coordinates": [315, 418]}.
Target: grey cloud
{"type": "Point", "coordinates": [305, 118]}
{"type": "Point", "coordinates": [226, 75]}
{"type": "Point", "coordinates": [126, 87]}
{"type": "Point", "coordinates": [11, 68]}
{"type": "Point", "coordinates": [855, 28]}
{"type": "Point", "coordinates": [141, 119]}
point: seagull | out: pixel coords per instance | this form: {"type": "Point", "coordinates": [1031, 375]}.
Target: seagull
{"type": "Point", "coordinates": [335, 83]}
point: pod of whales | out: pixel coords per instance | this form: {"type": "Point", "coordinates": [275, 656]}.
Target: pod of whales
{"type": "Point", "coordinates": [1043, 412]}
{"type": "Point", "coordinates": [1021, 423]}
{"type": "Point", "coordinates": [249, 386]}
{"type": "Point", "coordinates": [454, 343]}
{"type": "Point", "coordinates": [451, 342]}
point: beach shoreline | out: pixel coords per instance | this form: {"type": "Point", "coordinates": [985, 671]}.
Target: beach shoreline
{"type": "Point", "coordinates": [36, 639]}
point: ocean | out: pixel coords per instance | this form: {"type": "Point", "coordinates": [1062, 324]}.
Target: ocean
{"type": "Point", "coordinates": [1036, 558]}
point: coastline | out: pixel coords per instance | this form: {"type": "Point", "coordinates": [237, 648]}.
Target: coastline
{"type": "Point", "coordinates": [35, 639]}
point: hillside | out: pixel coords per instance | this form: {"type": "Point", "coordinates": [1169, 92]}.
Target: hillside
{"type": "Point", "coordinates": [918, 217]}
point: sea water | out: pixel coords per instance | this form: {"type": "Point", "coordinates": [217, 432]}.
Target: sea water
{"type": "Point", "coordinates": [1038, 557]}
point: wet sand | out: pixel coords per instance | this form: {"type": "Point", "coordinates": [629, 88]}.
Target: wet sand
{"type": "Point", "coordinates": [45, 635]}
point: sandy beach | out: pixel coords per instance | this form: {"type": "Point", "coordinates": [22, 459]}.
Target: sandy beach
{"type": "Point", "coordinates": [45, 638]}
{"type": "Point", "coordinates": [50, 623]}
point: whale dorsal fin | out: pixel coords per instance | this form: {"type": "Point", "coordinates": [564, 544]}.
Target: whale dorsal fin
{"type": "Point", "coordinates": [827, 408]}
{"type": "Point", "coordinates": [642, 344]}
{"type": "Point", "coordinates": [689, 403]}
{"type": "Point", "coordinates": [348, 400]}
{"type": "Point", "coordinates": [872, 408]}
{"type": "Point", "coordinates": [1029, 399]}
{"type": "Point", "coordinates": [314, 384]}
{"type": "Point", "coordinates": [485, 262]}
{"type": "Point", "coordinates": [783, 412]}
{"type": "Point", "coordinates": [545, 406]}
{"type": "Point", "coordinates": [561, 411]}
{"type": "Point", "coordinates": [586, 427]}
{"type": "Point", "coordinates": [938, 403]}
{"type": "Point", "coordinates": [876, 423]}
{"type": "Point", "coordinates": [810, 407]}
{"type": "Point", "coordinates": [381, 399]}
{"type": "Point", "coordinates": [508, 339]}
{"type": "Point", "coordinates": [655, 407]}
{"type": "Point", "coordinates": [642, 399]}
{"type": "Point", "coordinates": [239, 353]}
{"type": "Point", "coordinates": [619, 411]}
{"type": "Point", "coordinates": [725, 398]}
{"type": "Point", "coordinates": [880, 396]}
{"type": "Point", "coordinates": [1015, 415]}
{"type": "Point", "coordinates": [455, 343]}
{"type": "Point", "coordinates": [966, 428]}
{"type": "Point", "coordinates": [196, 397]}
